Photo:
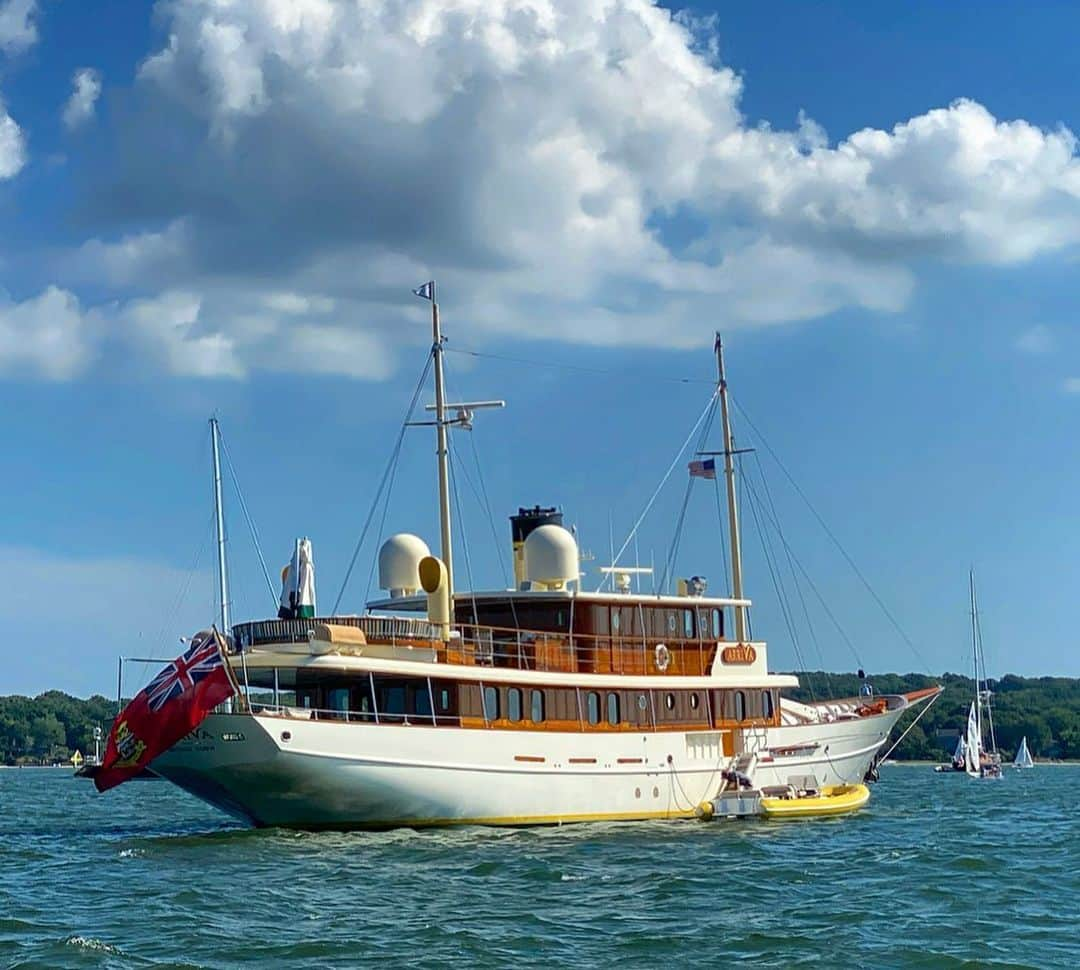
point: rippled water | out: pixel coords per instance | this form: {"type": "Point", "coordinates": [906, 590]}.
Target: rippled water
{"type": "Point", "coordinates": [939, 871]}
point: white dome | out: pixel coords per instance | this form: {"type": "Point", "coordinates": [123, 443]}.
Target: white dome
{"type": "Point", "coordinates": [551, 556]}
{"type": "Point", "coordinates": [399, 563]}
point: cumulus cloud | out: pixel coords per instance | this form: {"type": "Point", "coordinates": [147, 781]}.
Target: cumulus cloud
{"type": "Point", "coordinates": [577, 169]}
{"type": "Point", "coordinates": [18, 29]}
{"type": "Point", "coordinates": [86, 89]}
{"type": "Point", "coordinates": [12, 146]}
{"type": "Point", "coordinates": [47, 337]}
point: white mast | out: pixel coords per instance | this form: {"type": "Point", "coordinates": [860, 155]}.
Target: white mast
{"type": "Point", "coordinates": [443, 451]}
{"type": "Point", "coordinates": [219, 515]}
{"type": "Point", "coordinates": [975, 655]}
{"type": "Point", "coordinates": [733, 512]}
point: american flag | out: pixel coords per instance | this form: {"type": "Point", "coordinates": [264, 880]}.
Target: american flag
{"type": "Point", "coordinates": [703, 469]}
{"type": "Point", "coordinates": [201, 659]}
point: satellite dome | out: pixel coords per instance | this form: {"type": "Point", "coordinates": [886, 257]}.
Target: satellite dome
{"type": "Point", "coordinates": [551, 556]}
{"type": "Point", "coordinates": [399, 563]}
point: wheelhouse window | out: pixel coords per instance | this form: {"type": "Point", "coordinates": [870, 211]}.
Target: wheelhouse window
{"type": "Point", "coordinates": [337, 699]}
{"type": "Point", "coordinates": [740, 705]}
{"type": "Point", "coordinates": [717, 624]}
{"type": "Point", "coordinates": [513, 704]}
{"type": "Point", "coordinates": [767, 704]}
{"type": "Point", "coordinates": [536, 707]}
{"type": "Point", "coordinates": [491, 703]}
{"type": "Point", "coordinates": [688, 624]}
{"type": "Point", "coordinates": [613, 709]}
{"type": "Point", "coordinates": [444, 699]}
{"type": "Point", "coordinates": [593, 707]}
{"type": "Point", "coordinates": [422, 700]}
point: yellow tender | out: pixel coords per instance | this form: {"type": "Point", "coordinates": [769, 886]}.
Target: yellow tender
{"type": "Point", "coordinates": [832, 800]}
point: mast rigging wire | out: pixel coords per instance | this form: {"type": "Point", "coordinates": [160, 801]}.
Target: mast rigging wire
{"type": "Point", "coordinates": [247, 516]}
{"type": "Point", "coordinates": [391, 464]}
{"type": "Point", "coordinates": [663, 482]}
{"type": "Point", "coordinates": [835, 541]}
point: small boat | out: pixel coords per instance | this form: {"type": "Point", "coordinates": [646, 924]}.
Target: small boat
{"type": "Point", "coordinates": [959, 758]}
{"type": "Point", "coordinates": [1023, 756]}
{"type": "Point", "coordinates": [832, 800]}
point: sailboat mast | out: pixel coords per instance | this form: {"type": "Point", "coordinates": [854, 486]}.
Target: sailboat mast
{"type": "Point", "coordinates": [442, 448]}
{"type": "Point", "coordinates": [975, 653]}
{"type": "Point", "coordinates": [219, 517]}
{"type": "Point", "coordinates": [733, 511]}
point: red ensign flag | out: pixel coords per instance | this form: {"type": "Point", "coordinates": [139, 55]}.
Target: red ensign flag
{"type": "Point", "coordinates": [172, 705]}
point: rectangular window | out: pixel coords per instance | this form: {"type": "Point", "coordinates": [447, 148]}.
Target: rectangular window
{"type": "Point", "coordinates": [688, 624]}
{"type": "Point", "coordinates": [421, 701]}
{"type": "Point", "coordinates": [513, 704]}
{"type": "Point", "coordinates": [613, 709]}
{"type": "Point", "coordinates": [536, 713]}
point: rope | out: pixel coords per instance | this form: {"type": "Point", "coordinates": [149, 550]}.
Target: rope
{"type": "Point", "coordinates": [391, 463]}
{"type": "Point", "coordinates": [572, 367]}
{"type": "Point", "coordinates": [932, 702]}
{"type": "Point", "coordinates": [247, 516]}
{"type": "Point", "coordinates": [835, 541]}
{"type": "Point", "coordinates": [663, 482]}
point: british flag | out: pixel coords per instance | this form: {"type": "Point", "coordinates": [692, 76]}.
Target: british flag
{"type": "Point", "coordinates": [201, 659]}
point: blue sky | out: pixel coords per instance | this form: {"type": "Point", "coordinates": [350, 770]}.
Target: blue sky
{"type": "Point", "coordinates": [212, 207]}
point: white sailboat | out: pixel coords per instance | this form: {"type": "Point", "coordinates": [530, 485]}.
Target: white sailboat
{"type": "Point", "coordinates": [981, 757]}
{"type": "Point", "coordinates": [1023, 756]}
{"type": "Point", "coordinates": [543, 703]}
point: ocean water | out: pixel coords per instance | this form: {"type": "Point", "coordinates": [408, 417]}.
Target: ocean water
{"type": "Point", "coordinates": [938, 871]}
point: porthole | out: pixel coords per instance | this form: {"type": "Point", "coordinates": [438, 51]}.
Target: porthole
{"type": "Point", "coordinates": [694, 702]}
{"type": "Point", "coordinates": [669, 701]}
{"type": "Point", "coordinates": [656, 792]}
{"type": "Point", "coordinates": [286, 735]}
{"type": "Point", "coordinates": [491, 703]}
{"type": "Point", "coordinates": [642, 703]}
{"type": "Point", "coordinates": [637, 793]}
{"type": "Point", "coordinates": [671, 622]}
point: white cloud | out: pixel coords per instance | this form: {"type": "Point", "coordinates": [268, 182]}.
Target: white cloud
{"type": "Point", "coordinates": [86, 89]}
{"type": "Point", "coordinates": [18, 29]}
{"type": "Point", "coordinates": [47, 336]}
{"type": "Point", "coordinates": [12, 146]}
{"type": "Point", "coordinates": [572, 168]}
{"type": "Point", "coordinates": [1036, 340]}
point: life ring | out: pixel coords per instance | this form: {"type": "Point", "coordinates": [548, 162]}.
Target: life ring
{"type": "Point", "coordinates": [663, 657]}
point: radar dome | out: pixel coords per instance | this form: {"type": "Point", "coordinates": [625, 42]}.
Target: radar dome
{"type": "Point", "coordinates": [551, 556]}
{"type": "Point", "coordinates": [399, 563]}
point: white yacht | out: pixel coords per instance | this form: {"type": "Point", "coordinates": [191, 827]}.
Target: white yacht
{"type": "Point", "coordinates": [544, 703]}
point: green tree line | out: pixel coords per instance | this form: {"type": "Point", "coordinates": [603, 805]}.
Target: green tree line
{"type": "Point", "coordinates": [52, 726]}
{"type": "Point", "coordinates": [1045, 710]}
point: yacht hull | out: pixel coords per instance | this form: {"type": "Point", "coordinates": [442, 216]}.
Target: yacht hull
{"type": "Point", "coordinates": [275, 771]}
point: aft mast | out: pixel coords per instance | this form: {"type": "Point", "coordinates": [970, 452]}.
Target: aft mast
{"type": "Point", "coordinates": [733, 511]}
{"type": "Point", "coordinates": [219, 518]}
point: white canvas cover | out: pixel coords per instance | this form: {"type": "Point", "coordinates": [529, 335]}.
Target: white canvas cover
{"type": "Point", "coordinates": [298, 581]}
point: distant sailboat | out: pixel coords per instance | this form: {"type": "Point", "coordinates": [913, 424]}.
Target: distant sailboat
{"type": "Point", "coordinates": [980, 760]}
{"type": "Point", "coordinates": [1023, 757]}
